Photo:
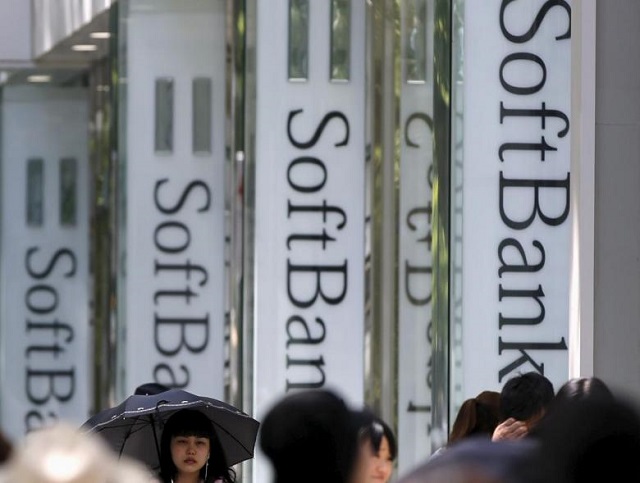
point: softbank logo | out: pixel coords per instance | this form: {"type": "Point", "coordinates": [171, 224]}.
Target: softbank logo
{"type": "Point", "coordinates": [184, 232]}
{"type": "Point", "coordinates": [164, 119]}
{"type": "Point", "coordinates": [340, 38]}
{"type": "Point", "coordinates": [35, 209]}
{"type": "Point", "coordinates": [50, 274]}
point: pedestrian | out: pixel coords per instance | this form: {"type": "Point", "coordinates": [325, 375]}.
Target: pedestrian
{"type": "Point", "coordinates": [524, 399]}
{"type": "Point", "coordinates": [589, 439]}
{"type": "Point", "coordinates": [477, 453]}
{"type": "Point", "coordinates": [150, 388]}
{"type": "Point", "coordinates": [477, 416]}
{"type": "Point", "coordinates": [190, 451]}
{"type": "Point", "coordinates": [6, 448]}
{"type": "Point", "coordinates": [581, 388]}
{"type": "Point", "coordinates": [60, 453]}
{"type": "Point", "coordinates": [311, 436]}
{"type": "Point", "coordinates": [474, 459]}
{"type": "Point", "coordinates": [381, 449]}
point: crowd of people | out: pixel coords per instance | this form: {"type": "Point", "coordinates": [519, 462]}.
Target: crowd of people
{"type": "Point", "coordinates": [315, 437]}
{"type": "Point", "coordinates": [526, 433]}
{"type": "Point", "coordinates": [580, 433]}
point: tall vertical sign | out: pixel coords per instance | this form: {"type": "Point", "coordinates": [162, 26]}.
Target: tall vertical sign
{"type": "Point", "coordinates": [415, 261]}
{"type": "Point", "coordinates": [44, 272]}
{"type": "Point", "coordinates": [174, 211]}
{"type": "Point", "coordinates": [516, 219]}
{"type": "Point", "coordinates": [309, 232]}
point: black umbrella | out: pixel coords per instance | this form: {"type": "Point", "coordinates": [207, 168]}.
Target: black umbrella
{"type": "Point", "coordinates": [134, 427]}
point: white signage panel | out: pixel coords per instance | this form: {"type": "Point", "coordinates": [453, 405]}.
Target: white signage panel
{"type": "Point", "coordinates": [516, 223]}
{"type": "Point", "coordinates": [174, 206]}
{"type": "Point", "coordinates": [415, 215]}
{"type": "Point", "coordinates": [45, 337]}
{"type": "Point", "coordinates": [309, 221]}
{"type": "Point", "coordinates": [16, 33]}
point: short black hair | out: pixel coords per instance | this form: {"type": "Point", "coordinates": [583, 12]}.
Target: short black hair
{"type": "Point", "coordinates": [150, 388]}
{"type": "Point", "coordinates": [525, 396]}
{"type": "Point", "coordinates": [311, 436]}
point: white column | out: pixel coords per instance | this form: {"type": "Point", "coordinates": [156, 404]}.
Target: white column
{"type": "Point", "coordinates": [309, 220]}
{"type": "Point", "coordinates": [517, 222]}
{"type": "Point", "coordinates": [44, 271]}
{"type": "Point", "coordinates": [173, 298]}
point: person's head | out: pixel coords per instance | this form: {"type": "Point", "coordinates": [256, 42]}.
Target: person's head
{"type": "Point", "coordinates": [477, 416]}
{"type": "Point", "coordinates": [311, 436]}
{"type": "Point", "coordinates": [583, 440]}
{"type": "Point", "coordinates": [526, 397]}
{"type": "Point", "coordinates": [6, 448]}
{"type": "Point", "coordinates": [474, 459]}
{"type": "Point", "coordinates": [583, 388]}
{"type": "Point", "coordinates": [380, 440]}
{"type": "Point", "coordinates": [150, 388]}
{"type": "Point", "coordinates": [61, 453]}
{"type": "Point", "coordinates": [577, 391]}
{"type": "Point", "coordinates": [189, 445]}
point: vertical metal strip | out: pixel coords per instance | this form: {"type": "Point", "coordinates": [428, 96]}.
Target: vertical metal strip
{"type": "Point", "coordinates": [103, 208]}
{"type": "Point", "coordinates": [441, 206]}
{"type": "Point", "coordinates": [340, 40]}
{"type": "Point", "coordinates": [245, 210]}
{"type": "Point", "coordinates": [298, 61]}
{"type": "Point", "coordinates": [237, 40]}
{"type": "Point", "coordinates": [201, 111]}
{"type": "Point", "coordinates": [416, 41]}
{"type": "Point", "coordinates": [35, 192]}
{"type": "Point", "coordinates": [120, 103]}
{"type": "Point", "coordinates": [381, 330]}
{"type": "Point", "coordinates": [456, 382]}
{"type": "Point", "coordinates": [164, 115]}
{"type": "Point", "coordinates": [68, 191]}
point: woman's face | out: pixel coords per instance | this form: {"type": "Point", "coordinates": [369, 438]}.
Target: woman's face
{"type": "Point", "coordinates": [189, 453]}
{"type": "Point", "coordinates": [381, 464]}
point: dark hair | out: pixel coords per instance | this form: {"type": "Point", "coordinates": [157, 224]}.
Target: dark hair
{"type": "Point", "coordinates": [582, 388]}
{"type": "Point", "coordinates": [311, 436]}
{"type": "Point", "coordinates": [525, 396]}
{"type": "Point", "coordinates": [151, 388]}
{"type": "Point", "coordinates": [190, 422]}
{"type": "Point", "coordinates": [477, 415]}
{"type": "Point", "coordinates": [374, 431]}
{"type": "Point", "coordinates": [6, 448]}
{"type": "Point", "coordinates": [583, 439]}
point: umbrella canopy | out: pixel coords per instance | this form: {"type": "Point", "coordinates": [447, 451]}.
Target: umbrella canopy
{"type": "Point", "coordinates": [134, 427]}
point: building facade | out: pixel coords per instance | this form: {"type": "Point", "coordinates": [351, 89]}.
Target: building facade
{"type": "Point", "coordinates": [408, 201]}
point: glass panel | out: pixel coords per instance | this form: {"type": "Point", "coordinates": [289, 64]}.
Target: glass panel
{"type": "Point", "coordinates": [68, 191]}
{"type": "Point", "coordinates": [417, 395]}
{"type": "Point", "coordinates": [416, 40]}
{"type": "Point", "coordinates": [104, 231]}
{"type": "Point", "coordinates": [457, 144]}
{"type": "Point", "coordinates": [35, 192]}
{"type": "Point", "coordinates": [201, 115]}
{"type": "Point", "coordinates": [164, 115]}
{"type": "Point", "coordinates": [298, 39]}
{"type": "Point", "coordinates": [340, 39]}
{"type": "Point", "coordinates": [441, 207]}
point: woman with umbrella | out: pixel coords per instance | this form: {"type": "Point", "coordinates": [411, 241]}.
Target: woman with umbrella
{"type": "Point", "coordinates": [143, 423]}
{"type": "Point", "coordinates": [190, 452]}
